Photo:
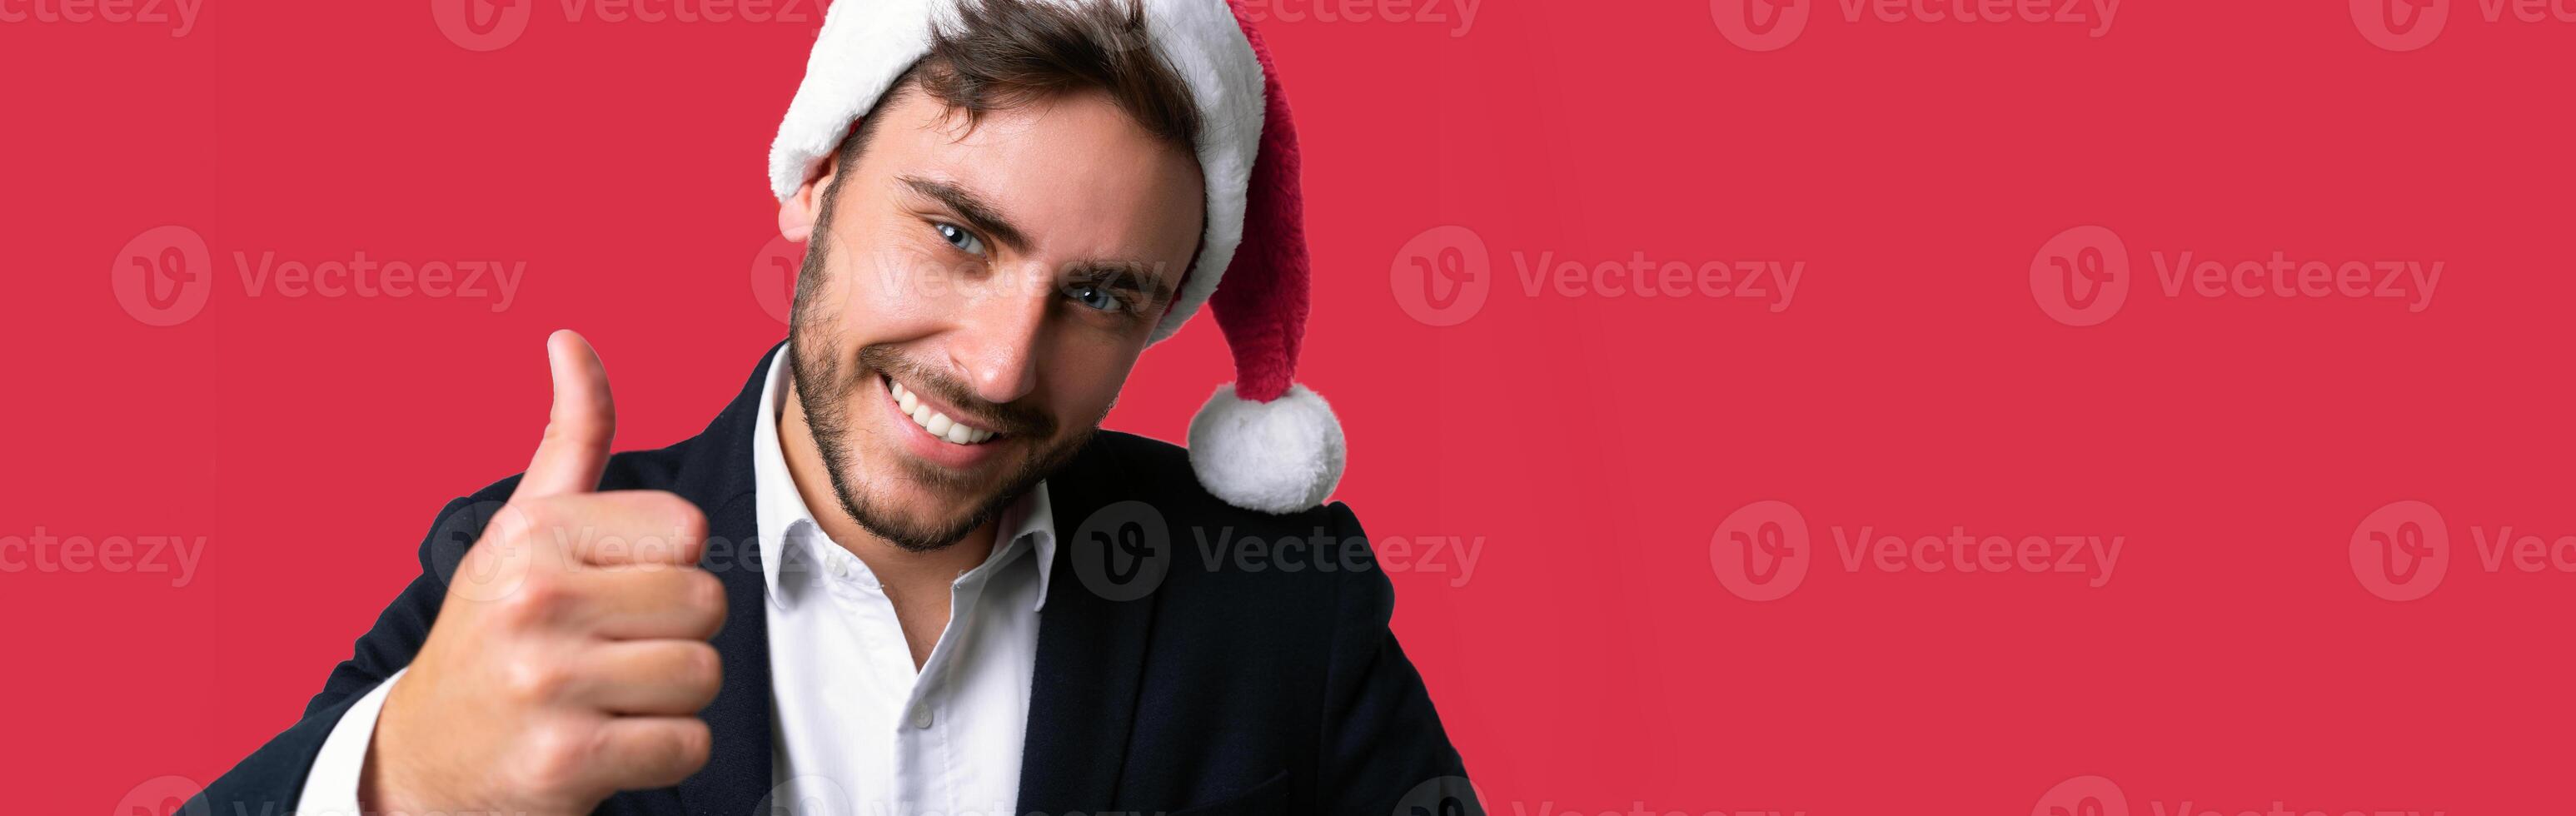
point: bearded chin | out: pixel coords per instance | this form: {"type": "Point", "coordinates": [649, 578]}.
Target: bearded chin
{"type": "Point", "coordinates": [825, 382]}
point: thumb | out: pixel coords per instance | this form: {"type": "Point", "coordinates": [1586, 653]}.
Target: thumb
{"type": "Point", "coordinates": [575, 449]}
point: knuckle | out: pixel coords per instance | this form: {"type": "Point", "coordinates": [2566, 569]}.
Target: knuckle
{"type": "Point", "coordinates": [539, 595]}
{"type": "Point", "coordinates": [504, 534]}
{"type": "Point", "coordinates": [484, 559]}
{"type": "Point", "coordinates": [534, 524]}
{"type": "Point", "coordinates": [534, 680]}
{"type": "Point", "coordinates": [568, 427]}
{"type": "Point", "coordinates": [539, 515]}
{"type": "Point", "coordinates": [555, 757]}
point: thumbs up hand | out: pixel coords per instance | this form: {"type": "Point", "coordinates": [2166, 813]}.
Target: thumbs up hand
{"type": "Point", "coordinates": [569, 658]}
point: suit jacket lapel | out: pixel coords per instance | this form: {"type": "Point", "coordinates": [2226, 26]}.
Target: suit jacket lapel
{"type": "Point", "coordinates": [1091, 655]}
{"type": "Point", "coordinates": [717, 477]}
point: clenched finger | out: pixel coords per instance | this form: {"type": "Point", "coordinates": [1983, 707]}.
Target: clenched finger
{"type": "Point", "coordinates": [637, 603]}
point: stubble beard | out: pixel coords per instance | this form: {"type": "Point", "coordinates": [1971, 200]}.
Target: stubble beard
{"type": "Point", "coordinates": [824, 386]}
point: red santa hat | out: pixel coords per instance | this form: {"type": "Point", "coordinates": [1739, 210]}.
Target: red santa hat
{"type": "Point", "coordinates": [1262, 442]}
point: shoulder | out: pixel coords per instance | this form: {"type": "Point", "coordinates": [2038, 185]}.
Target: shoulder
{"type": "Point", "coordinates": [1218, 557]}
{"type": "Point", "coordinates": [1158, 473]}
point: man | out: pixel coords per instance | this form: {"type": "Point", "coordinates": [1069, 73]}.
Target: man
{"type": "Point", "coordinates": [904, 572]}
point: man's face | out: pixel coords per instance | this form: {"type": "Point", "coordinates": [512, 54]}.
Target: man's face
{"type": "Point", "coordinates": [974, 297]}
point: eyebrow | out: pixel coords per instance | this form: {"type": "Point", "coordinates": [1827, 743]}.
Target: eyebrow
{"type": "Point", "coordinates": [985, 217]}
{"type": "Point", "coordinates": [980, 214]}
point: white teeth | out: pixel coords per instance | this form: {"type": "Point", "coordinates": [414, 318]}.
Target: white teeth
{"type": "Point", "coordinates": [938, 424]}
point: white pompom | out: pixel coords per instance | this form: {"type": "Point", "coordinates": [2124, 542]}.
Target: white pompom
{"type": "Point", "coordinates": [1281, 456]}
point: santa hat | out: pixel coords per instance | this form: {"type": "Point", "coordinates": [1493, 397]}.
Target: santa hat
{"type": "Point", "coordinates": [1261, 442]}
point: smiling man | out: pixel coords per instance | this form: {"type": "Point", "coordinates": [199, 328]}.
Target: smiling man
{"type": "Point", "coordinates": [905, 571]}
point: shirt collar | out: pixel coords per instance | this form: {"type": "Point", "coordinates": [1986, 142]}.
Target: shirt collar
{"type": "Point", "coordinates": [782, 509]}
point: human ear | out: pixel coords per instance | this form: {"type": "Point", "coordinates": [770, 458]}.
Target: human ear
{"type": "Point", "coordinates": [796, 214]}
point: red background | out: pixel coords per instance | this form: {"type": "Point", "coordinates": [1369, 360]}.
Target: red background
{"type": "Point", "coordinates": [1592, 661]}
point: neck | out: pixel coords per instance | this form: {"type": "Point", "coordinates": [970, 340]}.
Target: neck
{"type": "Point", "coordinates": [894, 566]}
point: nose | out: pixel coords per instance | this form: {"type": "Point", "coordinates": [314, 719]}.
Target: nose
{"type": "Point", "coordinates": [997, 346]}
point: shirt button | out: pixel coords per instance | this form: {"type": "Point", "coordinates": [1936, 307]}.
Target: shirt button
{"type": "Point", "coordinates": [921, 715]}
{"type": "Point", "coordinates": [839, 569]}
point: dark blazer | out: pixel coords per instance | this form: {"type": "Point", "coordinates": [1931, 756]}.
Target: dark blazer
{"type": "Point", "coordinates": [1217, 689]}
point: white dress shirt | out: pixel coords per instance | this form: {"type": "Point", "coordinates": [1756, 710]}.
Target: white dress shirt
{"type": "Point", "coordinates": [855, 728]}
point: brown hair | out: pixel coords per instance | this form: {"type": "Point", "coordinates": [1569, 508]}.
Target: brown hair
{"type": "Point", "coordinates": [999, 54]}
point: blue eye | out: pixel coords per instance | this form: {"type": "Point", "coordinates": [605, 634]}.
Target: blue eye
{"type": "Point", "coordinates": [1095, 297]}
{"type": "Point", "coordinates": [958, 237]}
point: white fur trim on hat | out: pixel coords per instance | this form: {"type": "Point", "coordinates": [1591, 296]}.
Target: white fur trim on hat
{"type": "Point", "coordinates": [866, 44]}
{"type": "Point", "coordinates": [1281, 456]}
